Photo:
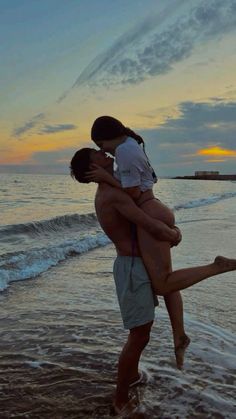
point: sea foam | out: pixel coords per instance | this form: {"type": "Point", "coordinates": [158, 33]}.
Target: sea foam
{"type": "Point", "coordinates": [30, 263]}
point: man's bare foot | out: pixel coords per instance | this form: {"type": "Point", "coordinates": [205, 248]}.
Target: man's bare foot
{"type": "Point", "coordinates": [225, 264]}
{"type": "Point", "coordinates": [180, 351]}
{"type": "Point", "coordinates": [142, 378]}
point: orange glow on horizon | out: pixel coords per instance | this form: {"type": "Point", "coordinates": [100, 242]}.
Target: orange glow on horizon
{"type": "Point", "coordinates": [216, 151]}
{"type": "Point", "coordinates": [23, 151]}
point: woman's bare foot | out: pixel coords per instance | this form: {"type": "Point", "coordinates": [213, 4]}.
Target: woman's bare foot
{"type": "Point", "coordinates": [180, 351]}
{"type": "Point", "coordinates": [225, 264]}
{"type": "Point", "coordinates": [125, 410]}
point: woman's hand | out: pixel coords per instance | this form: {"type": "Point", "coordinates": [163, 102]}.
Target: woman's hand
{"type": "Point", "coordinates": [97, 174]}
{"type": "Point", "coordinates": [178, 236]}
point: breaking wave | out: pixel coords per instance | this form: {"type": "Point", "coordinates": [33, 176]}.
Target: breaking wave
{"type": "Point", "coordinates": [53, 225]}
{"type": "Point", "coordinates": [40, 245]}
{"type": "Point", "coordinates": [201, 202]}
{"type": "Point", "coordinates": [45, 243]}
{"type": "Point", "coordinates": [31, 263]}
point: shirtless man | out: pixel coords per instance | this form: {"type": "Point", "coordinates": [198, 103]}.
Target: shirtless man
{"type": "Point", "coordinates": [117, 213]}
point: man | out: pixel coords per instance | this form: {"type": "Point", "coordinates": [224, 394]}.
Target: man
{"type": "Point", "coordinates": [117, 215]}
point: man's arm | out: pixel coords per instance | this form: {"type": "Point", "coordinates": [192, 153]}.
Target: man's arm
{"type": "Point", "coordinates": [98, 174]}
{"type": "Point", "coordinates": [126, 206]}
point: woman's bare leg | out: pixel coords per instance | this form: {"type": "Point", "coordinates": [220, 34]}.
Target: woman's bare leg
{"type": "Point", "coordinates": [156, 257]}
{"type": "Point", "coordinates": [185, 278]}
{"type": "Point", "coordinates": [173, 301]}
{"type": "Point", "coordinates": [174, 305]}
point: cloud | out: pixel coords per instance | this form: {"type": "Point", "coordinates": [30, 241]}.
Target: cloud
{"type": "Point", "coordinates": [57, 157]}
{"type": "Point", "coordinates": [53, 157]}
{"type": "Point", "coordinates": [214, 115]}
{"type": "Point", "coordinates": [199, 124]}
{"type": "Point", "coordinates": [28, 126]}
{"type": "Point", "coordinates": [161, 41]}
{"type": "Point", "coordinates": [196, 132]}
{"type": "Point", "coordinates": [51, 129]}
{"type": "Point", "coordinates": [34, 168]}
{"type": "Point", "coordinates": [37, 120]}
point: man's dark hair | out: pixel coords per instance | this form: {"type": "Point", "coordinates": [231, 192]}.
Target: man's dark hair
{"type": "Point", "coordinates": [79, 164]}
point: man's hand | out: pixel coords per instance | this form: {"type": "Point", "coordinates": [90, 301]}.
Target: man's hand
{"type": "Point", "coordinates": [178, 237]}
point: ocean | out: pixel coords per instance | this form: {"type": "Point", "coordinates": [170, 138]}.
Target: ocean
{"type": "Point", "coordinates": [61, 331]}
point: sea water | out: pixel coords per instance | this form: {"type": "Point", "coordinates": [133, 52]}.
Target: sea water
{"type": "Point", "coordinates": [61, 331]}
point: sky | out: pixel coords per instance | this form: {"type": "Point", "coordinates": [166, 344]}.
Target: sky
{"type": "Point", "coordinates": [164, 68]}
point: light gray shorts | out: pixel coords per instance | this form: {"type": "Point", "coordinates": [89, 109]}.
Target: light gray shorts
{"type": "Point", "coordinates": [136, 299]}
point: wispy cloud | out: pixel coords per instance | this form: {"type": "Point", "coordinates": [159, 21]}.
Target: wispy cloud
{"type": "Point", "coordinates": [51, 129]}
{"type": "Point", "coordinates": [28, 125]}
{"type": "Point", "coordinates": [154, 46]}
{"type": "Point", "coordinates": [36, 122]}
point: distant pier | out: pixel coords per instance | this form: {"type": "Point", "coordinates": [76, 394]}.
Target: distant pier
{"type": "Point", "coordinates": [206, 175]}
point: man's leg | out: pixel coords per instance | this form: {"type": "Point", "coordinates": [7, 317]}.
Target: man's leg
{"type": "Point", "coordinates": [128, 362]}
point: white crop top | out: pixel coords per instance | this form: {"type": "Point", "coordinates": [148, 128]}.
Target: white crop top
{"type": "Point", "coordinates": [133, 167]}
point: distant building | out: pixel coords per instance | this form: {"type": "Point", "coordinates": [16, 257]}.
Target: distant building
{"type": "Point", "coordinates": [206, 173]}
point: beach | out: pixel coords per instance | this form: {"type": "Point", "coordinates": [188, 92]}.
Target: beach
{"type": "Point", "coordinates": [61, 331]}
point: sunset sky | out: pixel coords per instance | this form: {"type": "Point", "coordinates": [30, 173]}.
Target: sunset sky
{"type": "Point", "coordinates": [165, 68]}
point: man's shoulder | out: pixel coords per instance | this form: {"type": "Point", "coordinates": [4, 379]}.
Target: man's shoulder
{"type": "Point", "coordinates": [109, 194]}
{"type": "Point", "coordinates": [106, 192]}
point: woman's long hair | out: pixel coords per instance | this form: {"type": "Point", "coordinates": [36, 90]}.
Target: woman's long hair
{"type": "Point", "coordinates": [132, 134]}
{"type": "Point", "coordinates": [107, 128]}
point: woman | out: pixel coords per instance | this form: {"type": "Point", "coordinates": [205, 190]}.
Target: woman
{"type": "Point", "coordinates": [136, 176]}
